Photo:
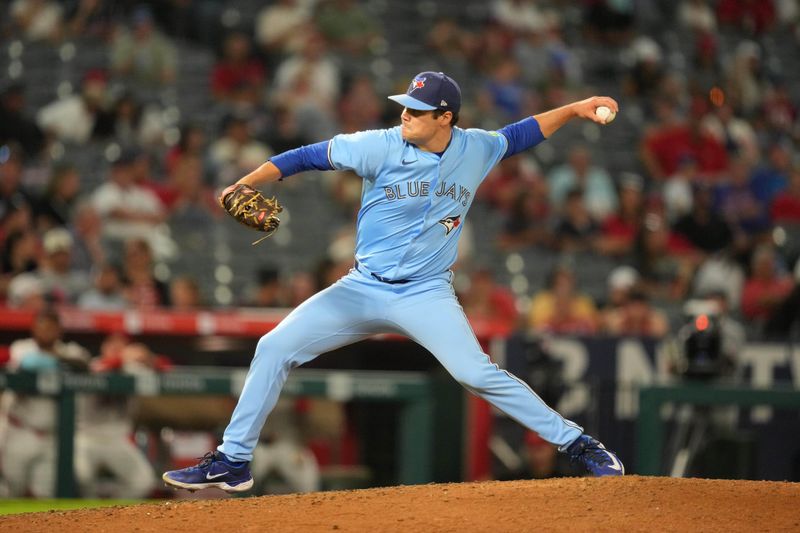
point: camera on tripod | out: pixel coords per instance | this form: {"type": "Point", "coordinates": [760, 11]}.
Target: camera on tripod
{"type": "Point", "coordinates": [701, 340]}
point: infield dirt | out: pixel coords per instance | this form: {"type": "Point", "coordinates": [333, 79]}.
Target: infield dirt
{"type": "Point", "coordinates": [631, 503]}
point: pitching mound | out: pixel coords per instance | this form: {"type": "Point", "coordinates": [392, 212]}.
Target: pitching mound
{"type": "Point", "coordinates": [622, 504]}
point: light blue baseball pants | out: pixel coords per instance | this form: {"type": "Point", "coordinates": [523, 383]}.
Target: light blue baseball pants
{"type": "Point", "coordinates": [358, 306]}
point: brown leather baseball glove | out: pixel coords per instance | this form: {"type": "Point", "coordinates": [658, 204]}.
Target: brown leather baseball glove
{"type": "Point", "coordinates": [251, 208]}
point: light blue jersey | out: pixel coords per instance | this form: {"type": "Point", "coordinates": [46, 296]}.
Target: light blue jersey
{"type": "Point", "coordinates": [414, 203]}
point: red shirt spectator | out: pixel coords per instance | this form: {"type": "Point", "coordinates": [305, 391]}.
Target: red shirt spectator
{"type": "Point", "coordinates": [765, 289]}
{"type": "Point", "coordinates": [668, 146]}
{"type": "Point", "coordinates": [752, 15]}
{"type": "Point", "coordinates": [786, 205]}
{"type": "Point", "coordinates": [236, 69]}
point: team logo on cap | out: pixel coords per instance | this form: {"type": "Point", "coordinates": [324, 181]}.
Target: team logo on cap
{"type": "Point", "coordinates": [416, 83]}
{"type": "Point", "coordinates": [450, 223]}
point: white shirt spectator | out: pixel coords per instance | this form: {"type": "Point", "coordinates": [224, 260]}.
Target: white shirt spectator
{"type": "Point", "coordinates": [111, 197]}
{"type": "Point", "coordinates": [69, 119]}
{"type": "Point", "coordinates": [281, 26]}
{"type": "Point", "coordinates": [697, 15]}
{"type": "Point", "coordinates": [41, 20]}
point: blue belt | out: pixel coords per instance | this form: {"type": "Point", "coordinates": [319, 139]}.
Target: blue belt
{"type": "Point", "coordinates": [380, 278]}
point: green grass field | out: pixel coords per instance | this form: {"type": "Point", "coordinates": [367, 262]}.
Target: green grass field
{"type": "Point", "coordinates": [36, 506]}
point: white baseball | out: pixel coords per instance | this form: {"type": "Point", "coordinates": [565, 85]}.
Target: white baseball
{"type": "Point", "coordinates": [605, 114]}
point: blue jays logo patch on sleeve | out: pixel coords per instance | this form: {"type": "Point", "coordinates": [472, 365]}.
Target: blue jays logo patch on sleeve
{"type": "Point", "coordinates": [450, 223]}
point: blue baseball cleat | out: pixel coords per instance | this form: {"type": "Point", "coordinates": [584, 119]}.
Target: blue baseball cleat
{"type": "Point", "coordinates": [594, 457]}
{"type": "Point", "coordinates": [214, 470]}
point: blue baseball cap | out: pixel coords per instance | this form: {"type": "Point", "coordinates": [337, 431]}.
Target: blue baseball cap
{"type": "Point", "coordinates": [429, 91]}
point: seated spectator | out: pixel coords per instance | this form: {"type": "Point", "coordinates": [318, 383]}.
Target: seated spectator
{"type": "Point", "coordinates": [665, 145]}
{"type": "Point", "coordinates": [508, 178]}
{"type": "Point", "coordinates": [664, 259]}
{"type": "Point", "coordinates": [778, 109]}
{"type": "Point", "coordinates": [89, 18]}
{"type": "Point", "coordinates": [549, 61]}
{"type": "Point", "coordinates": [528, 219]}
{"type": "Point", "coordinates": [522, 16]}
{"type": "Point", "coordinates": [142, 54]}
{"type": "Point", "coordinates": [575, 231]}
{"type": "Point", "coordinates": [61, 283]}
{"type": "Point", "coordinates": [127, 209]}
{"type": "Point", "coordinates": [236, 152]}
{"type": "Point", "coordinates": [705, 70]}
{"type": "Point", "coordinates": [449, 42]}
{"type": "Point", "coordinates": [766, 287]}
{"type": "Point", "coordinates": [86, 230]}
{"type": "Point", "coordinates": [268, 291]}
{"type": "Point", "coordinates": [560, 308]}
{"type": "Point", "coordinates": [301, 287]}
{"type": "Point", "coordinates": [282, 27]}
{"type": "Point", "coordinates": [647, 73]}
{"type": "Point", "coordinates": [106, 293]}
{"type": "Point", "coordinates": [236, 67]}
{"type": "Point", "coordinates": [141, 288]}
{"type": "Point", "coordinates": [503, 95]}
{"type": "Point", "coordinates": [618, 231]}
{"type": "Point", "coordinates": [636, 317]}
{"type": "Point", "coordinates": [742, 210]}
{"type": "Point", "coordinates": [184, 294]}
{"type": "Point", "coordinates": [347, 26]}
{"type": "Point", "coordinates": [772, 176]}
{"type": "Point", "coordinates": [697, 15]}
{"type": "Point", "coordinates": [185, 196]}
{"type": "Point", "coordinates": [20, 254]}
{"type": "Point", "coordinates": [192, 142]}
{"type": "Point", "coordinates": [40, 20]}
{"type": "Point", "coordinates": [26, 292]}
{"type": "Point", "coordinates": [15, 123]}
{"type": "Point", "coordinates": [56, 205]}
{"type": "Point", "coordinates": [678, 190]}
{"type": "Point", "coordinates": [487, 300]}
{"type": "Point", "coordinates": [752, 16]}
{"type": "Point", "coordinates": [72, 119]}
{"type": "Point", "coordinates": [28, 451]}
{"type": "Point", "coordinates": [360, 108]}
{"type": "Point", "coordinates": [609, 22]}
{"type": "Point", "coordinates": [285, 133]}
{"type": "Point", "coordinates": [720, 273]}
{"type": "Point", "coordinates": [599, 194]}
{"type": "Point", "coordinates": [620, 281]}
{"type": "Point", "coordinates": [786, 204]}
{"type": "Point", "coordinates": [132, 124]}
{"type": "Point", "coordinates": [734, 133]}
{"type": "Point", "coordinates": [308, 83]}
{"type": "Point", "coordinates": [704, 227]}
{"type": "Point", "coordinates": [743, 79]}
{"type": "Point", "coordinates": [491, 45]}
{"type": "Point", "coordinates": [16, 205]}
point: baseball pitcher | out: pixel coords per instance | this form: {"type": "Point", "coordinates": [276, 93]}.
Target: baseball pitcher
{"type": "Point", "coordinates": [419, 182]}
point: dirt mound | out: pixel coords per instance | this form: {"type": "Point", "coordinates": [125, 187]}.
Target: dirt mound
{"type": "Point", "coordinates": [629, 504]}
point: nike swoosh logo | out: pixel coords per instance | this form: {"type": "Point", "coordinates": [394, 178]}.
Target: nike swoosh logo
{"type": "Point", "coordinates": [215, 476]}
{"type": "Point", "coordinates": [406, 162]}
{"type": "Point", "coordinates": [615, 464]}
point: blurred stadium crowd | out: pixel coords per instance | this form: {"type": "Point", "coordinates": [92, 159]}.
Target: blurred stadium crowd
{"type": "Point", "coordinates": [120, 120]}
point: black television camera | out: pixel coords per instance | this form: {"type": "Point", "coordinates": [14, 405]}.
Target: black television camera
{"type": "Point", "coordinates": [701, 341]}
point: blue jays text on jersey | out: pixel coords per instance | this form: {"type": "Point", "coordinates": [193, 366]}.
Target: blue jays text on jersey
{"type": "Point", "coordinates": [416, 188]}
